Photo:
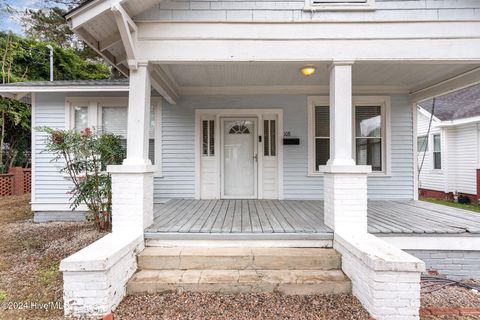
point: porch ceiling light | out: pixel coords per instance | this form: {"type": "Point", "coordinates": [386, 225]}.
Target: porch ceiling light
{"type": "Point", "coordinates": [308, 70]}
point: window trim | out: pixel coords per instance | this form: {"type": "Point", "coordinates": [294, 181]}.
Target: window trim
{"type": "Point", "coordinates": [382, 101]}
{"type": "Point", "coordinates": [95, 105]}
{"type": "Point", "coordinates": [432, 151]}
{"type": "Point", "coordinates": [339, 5]}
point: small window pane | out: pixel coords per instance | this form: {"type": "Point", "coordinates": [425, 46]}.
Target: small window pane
{"type": "Point", "coordinates": [151, 150]}
{"type": "Point", "coordinates": [269, 143]}
{"type": "Point", "coordinates": [322, 152]}
{"type": "Point", "coordinates": [322, 121]}
{"type": "Point", "coordinates": [273, 139]}
{"type": "Point", "coordinates": [266, 138]}
{"type": "Point", "coordinates": [437, 143]}
{"type": "Point", "coordinates": [81, 118]}
{"type": "Point", "coordinates": [211, 140]}
{"type": "Point", "coordinates": [114, 120]}
{"type": "Point", "coordinates": [437, 160]}
{"type": "Point", "coordinates": [368, 121]}
{"type": "Point", "coordinates": [369, 152]}
{"type": "Point", "coordinates": [205, 137]}
{"type": "Point", "coordinates": [422, 144]}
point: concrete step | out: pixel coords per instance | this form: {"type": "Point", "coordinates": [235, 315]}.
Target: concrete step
{"type": "Point", "coordinates": [158, 258]}
{"type": "Point", "coordinates": [299, 282]}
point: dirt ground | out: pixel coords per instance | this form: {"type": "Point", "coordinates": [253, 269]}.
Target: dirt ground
{"type": "Point", "coordinates": [30, 254]}
{"type": "Point", "coordinates": [29, 278]}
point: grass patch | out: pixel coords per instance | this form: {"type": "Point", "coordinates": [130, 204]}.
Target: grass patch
{"type": "Point", "coordinates": [3, 296]}
{"type": "Point", "coordinates": [470, 207]}
{"type": "Point", "coordinates": [49, 274]}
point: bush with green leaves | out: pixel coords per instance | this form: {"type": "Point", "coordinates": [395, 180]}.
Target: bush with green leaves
{"type": "Point", "coordinates": [85, 156]}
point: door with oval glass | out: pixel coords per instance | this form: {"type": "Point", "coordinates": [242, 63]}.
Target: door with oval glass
{"type": "Point", "coordinates": [239, 159]}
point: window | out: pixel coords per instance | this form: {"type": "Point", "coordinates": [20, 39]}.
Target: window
{"type": "Point", "coordinates": [80, 117]}
{"type": "Point", "coordinates": [370, 139]}
{"type": "Point", "coordinates": [208, 138]}
{"type": "Point", "coordinates": [339, 5]}
{"type": "Point", "coordinates": [369, 136]}
{"type": "Point", "coordinates": [322, 135]}
{"type": "Point", "coordinates": [422, 144]}
{"type": "Point", "coordinates": [110, 115]}
{"type": "Point", "coordinates": [437, 152]}
{"type": "Point", "coordinates": [269, 143]}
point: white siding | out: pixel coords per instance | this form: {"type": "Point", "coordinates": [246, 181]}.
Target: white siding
{"type": "Point", "coordinates": [179, 144]}
{"type": "Point", "coordinates": [292, 10]}
{"type": "Point", "coordinates": [50, 186]}
{"type": "Point", "coordinates": [462, 159]}
{"type": "Point", "coordinates": [459, 158]}
{"type": "Point", "coordinates": [430, 178]}
{"type": "Point", "coordinates": [179, 156]}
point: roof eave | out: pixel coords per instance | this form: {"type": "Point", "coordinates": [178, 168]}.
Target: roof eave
{"type": "Point", "coordinates": [32, 89]}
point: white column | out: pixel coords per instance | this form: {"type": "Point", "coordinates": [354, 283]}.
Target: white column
{"type": "Point", "coordinates": [132, 182]}
{"type": "Point", "coordinates": [341, 115]}
{"type": "Point", "coordinates": [345, 184]}
{"type": "Point", "coordinates": [138, 116]}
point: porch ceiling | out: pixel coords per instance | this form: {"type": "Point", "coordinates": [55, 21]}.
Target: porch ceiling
{"type": "Point", "coordinates": [227, 78]}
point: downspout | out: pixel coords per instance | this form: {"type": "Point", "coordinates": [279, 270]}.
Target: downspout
{"type": "Point", "coordinates": [51, 61]}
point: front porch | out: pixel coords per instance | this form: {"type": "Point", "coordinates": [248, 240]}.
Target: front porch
{"type": "Point", "coordinates": [294, 219]}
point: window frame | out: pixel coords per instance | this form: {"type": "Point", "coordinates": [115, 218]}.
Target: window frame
{"type": "Point", "coordinates": [95, 105]}
{"type": "Point", "coordinates": [339, 5]}
{"type": "Point", "coordinates": [432, 151]}
{"type": "Point", "coordinates": [385, 106]}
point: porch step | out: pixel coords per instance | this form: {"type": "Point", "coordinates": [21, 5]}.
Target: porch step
{"type": "Point", "coordinates": [286, 270]}
{"type": "Point", "coordinates": [158, 258]}
{"type": "Point", "coordinates": [299, 282]}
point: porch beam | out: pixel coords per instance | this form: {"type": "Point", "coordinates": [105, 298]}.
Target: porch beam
{"type": "Point", "coordinates": [458, 82]}
{"type": "Point", "coordinates": [164, 85]}
{"type": "Point", "coordinates": [164, 51]}
{"type": "Point", "coordinates": [138, 116]}
{"type": "Point", "coordinates": [125, 24]}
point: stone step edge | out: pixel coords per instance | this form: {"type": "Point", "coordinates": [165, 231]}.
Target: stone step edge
{"type": "Point", "coordinates": [238, 252]}
{"type": "Point", "coordinates": [210, 276]}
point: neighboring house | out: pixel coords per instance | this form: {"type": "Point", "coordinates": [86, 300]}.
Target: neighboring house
{"type": "Point", "coordinates": [450, 150]}
{"type": "Point", "coordinates": [266, 141]}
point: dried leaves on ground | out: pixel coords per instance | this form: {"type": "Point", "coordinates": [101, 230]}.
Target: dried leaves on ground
{"type": "Point", "coordinates": [30, 254]}
{"type": "Point", "coordinates": [170, 305]}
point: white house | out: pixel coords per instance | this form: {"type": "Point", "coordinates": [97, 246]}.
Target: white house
{"type": "Point", "coordinates": [449, 151]}
{"type": "Point", "coordinates": [270, 146]}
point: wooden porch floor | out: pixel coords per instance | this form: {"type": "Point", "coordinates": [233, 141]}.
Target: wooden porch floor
{"type": "Point", "coordinates": [295, 217]}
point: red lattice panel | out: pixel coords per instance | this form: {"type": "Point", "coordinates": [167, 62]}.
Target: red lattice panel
{"type": "Point", "coordinates": [27, 180]}
{"type": "Point", "coordinates": [6, 184]}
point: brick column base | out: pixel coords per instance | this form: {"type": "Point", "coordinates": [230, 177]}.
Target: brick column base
{"type": "Point", "coordinates": [345, 197]}
{"type": "Point", "coordinates": [132, 198]}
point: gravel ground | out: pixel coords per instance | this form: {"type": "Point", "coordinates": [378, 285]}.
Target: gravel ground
{"type": "Point", "coordinates": [29, 258]}
{"type": "Point", "coordinates": [450, 296]}
{"type": "Point", "coordinates": [171, 305]}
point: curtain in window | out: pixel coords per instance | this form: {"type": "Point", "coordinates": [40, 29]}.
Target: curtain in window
{"type": "Point", "coordinates": [80, 118]}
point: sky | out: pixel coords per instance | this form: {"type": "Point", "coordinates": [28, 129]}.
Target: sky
{"type": "Point", "coordinates": [11, 23]}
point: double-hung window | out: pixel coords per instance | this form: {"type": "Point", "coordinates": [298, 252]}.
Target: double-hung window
{"type": "Point", "coordinates": [437, 152]}
{"type": "Point", "coordinates": [110, 116]}
{"type": "Point", "coordinates": [369, 140]}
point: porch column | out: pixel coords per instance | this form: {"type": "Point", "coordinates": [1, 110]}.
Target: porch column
{"type": "Point", "coordinates": [132, 182]}
{"type": "Point", "coordinates": [345, 184]}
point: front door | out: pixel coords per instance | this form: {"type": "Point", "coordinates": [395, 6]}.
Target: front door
{"type": "Point", "coordinates": [239, 158]}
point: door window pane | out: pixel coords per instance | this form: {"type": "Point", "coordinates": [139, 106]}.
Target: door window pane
{"type": "Point", "coordinates": [322, 135]}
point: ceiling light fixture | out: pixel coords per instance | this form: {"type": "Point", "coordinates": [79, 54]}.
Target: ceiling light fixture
{"type": "Point", "coordinates": [308, 70]}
